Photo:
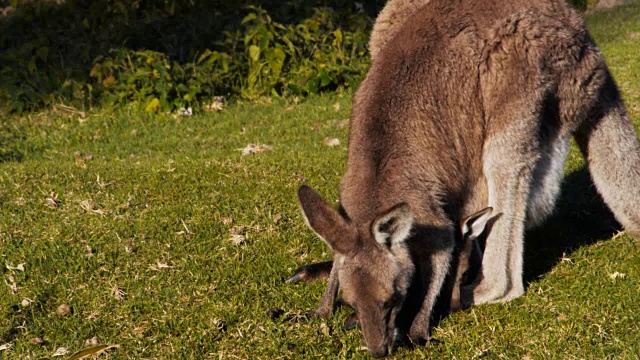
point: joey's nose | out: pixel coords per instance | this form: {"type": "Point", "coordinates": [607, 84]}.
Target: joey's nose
{"type": "Point", "coordinates": [379, 353]}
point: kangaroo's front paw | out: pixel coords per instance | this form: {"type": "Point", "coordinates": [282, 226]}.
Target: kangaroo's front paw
{"type": "Point", "coordinates": [513, 293]}
{"type": "Point", "coordinates": [419, 332]}
{"type": "Point", "coordinates": [321, 312]}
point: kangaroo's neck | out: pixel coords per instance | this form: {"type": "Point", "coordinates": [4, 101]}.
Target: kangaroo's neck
{"type": "Point", "coordinates": [375, 183]}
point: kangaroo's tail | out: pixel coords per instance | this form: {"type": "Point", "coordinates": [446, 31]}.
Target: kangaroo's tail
{"type": "Point", "coordinates": [610, 146]}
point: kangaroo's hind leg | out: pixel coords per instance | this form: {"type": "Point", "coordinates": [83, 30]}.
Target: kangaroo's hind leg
{"type": "Point", "coordinates": [517, 91]}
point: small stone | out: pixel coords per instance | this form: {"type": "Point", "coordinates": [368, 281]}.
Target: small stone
{"type": "Point", "coordinates": [331, 142]}
{"type": "Point", "coordinates": [36, 341]}
{"type": "Point", "coordinates": [60, 352]}
{"type": "Point", "coordinates": [277, 218]}
{"type": "Point", "coordinates": [64, 310]}
{"type": "Point", "coordinates": [91, 342]}
{"type": "Point", "coordinates": [253, 149]}
{"type": "Point", "coordinates": [25, 302]}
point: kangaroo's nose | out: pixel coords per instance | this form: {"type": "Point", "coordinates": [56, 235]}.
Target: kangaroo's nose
{"type": "Point", "coordinates": [379, 353]}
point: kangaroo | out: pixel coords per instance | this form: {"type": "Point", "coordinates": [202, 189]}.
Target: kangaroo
{"type": "Point", "coordinates": [468, 104]}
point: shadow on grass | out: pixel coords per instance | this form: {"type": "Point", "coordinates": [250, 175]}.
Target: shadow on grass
{"type": "Point", "coordinates": [581, 218]}
{"type": "Point", "coordinates": [21, 317]}
{"type": "Point", "coordinates": [7, 152]}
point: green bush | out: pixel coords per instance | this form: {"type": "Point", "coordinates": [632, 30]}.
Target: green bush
{"type": "Point", "coordinates": [153, 53]}
{"type": "Point", "coordinates": [166, 54]}
{"type": "Point", "coordinates": [260, 58]}
{"type": "Point", "coordinates": [304, 58]}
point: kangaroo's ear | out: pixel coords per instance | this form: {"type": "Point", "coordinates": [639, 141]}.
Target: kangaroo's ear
{"type": "Point", "coordinates": [472, 226]}
{"type": "Point", "coordinates": [325, 221]}
{"type": "Point", "coordinates": [394, 226]}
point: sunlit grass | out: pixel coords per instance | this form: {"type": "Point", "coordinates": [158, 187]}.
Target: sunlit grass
{"type": "Point", "coordinates": [137, 239]}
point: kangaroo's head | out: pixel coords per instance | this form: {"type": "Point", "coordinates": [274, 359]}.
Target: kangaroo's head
{"type": "Point", "coordinates": [374, 264]}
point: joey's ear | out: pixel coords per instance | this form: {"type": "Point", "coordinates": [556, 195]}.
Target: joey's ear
{"type": "Point", "coordinates": [325, 221]}
{"type": "Point", "coordinates": [394, 226]}
{"type": "Point", "coordinates": [472, 226]}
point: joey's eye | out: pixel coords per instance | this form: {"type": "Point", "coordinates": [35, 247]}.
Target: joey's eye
{"type": "Point", "coordinates": [391, 302]}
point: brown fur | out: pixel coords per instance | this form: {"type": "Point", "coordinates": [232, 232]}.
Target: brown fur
{"type": "Point", "coordinates": [390, 19]}
{"type": "Point", "coordinates": [468, 104]}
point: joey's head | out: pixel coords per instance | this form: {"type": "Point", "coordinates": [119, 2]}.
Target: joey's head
{"type": "Point", "coordinates": [374, 264]}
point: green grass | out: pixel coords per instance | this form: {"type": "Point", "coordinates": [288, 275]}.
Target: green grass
{"type": "Point", "coordinates": [151, 265]}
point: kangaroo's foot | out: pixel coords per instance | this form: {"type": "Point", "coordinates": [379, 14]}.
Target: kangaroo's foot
{"type": "Point", "coordinates": [483, 292]}
{"type": "Point", "coordinates": [513, 293]}
{"type": "Point", "coordinates": [311, 272]}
